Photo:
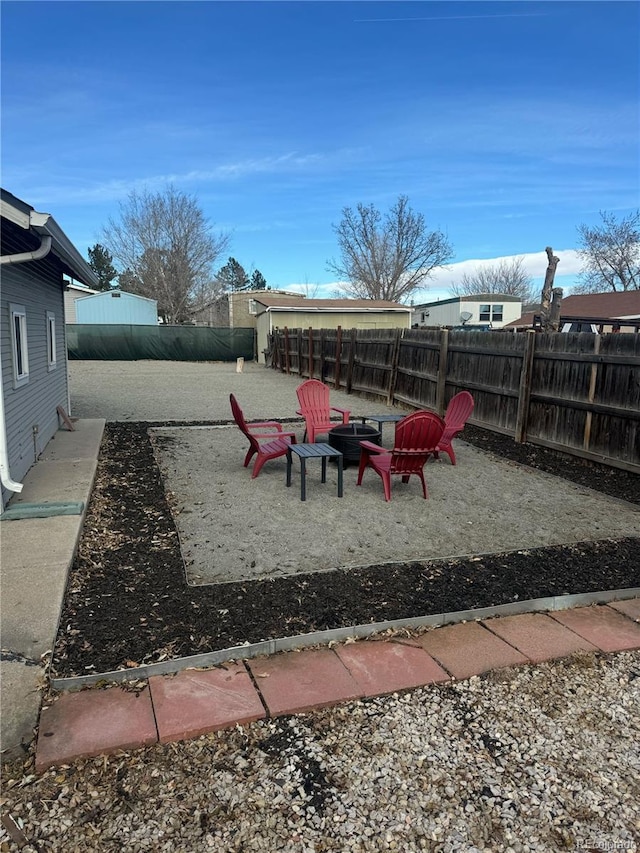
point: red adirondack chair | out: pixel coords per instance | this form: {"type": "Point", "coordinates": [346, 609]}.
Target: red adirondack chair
{"type": "Point", "coordinates": [416, 438]}
{"type": "Point", "coordinates": [268, 445]}
{"type": "Point", "coordinates": [313, 397]}
{"type": "Point", "coordinates": [457, 414]}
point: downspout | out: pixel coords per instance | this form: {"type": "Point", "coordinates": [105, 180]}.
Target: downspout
{"type": "Point", "coordinates": [5, 474]}
{"type": "Point", "coordinates": [22, 257]}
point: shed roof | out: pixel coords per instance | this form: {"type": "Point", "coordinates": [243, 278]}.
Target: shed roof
{"type": "Point", "coordinates": [280, 303]}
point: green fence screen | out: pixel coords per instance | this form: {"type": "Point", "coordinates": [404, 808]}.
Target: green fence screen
{"type": "Point", "coordinates": [122, 342]}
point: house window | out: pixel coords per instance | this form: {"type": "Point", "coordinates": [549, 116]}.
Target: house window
{"type": "Point", "coordinates": [19, 348]}
{"type": "Point", "coordinates": [52, 358]}
{"type": "Point", "coordinates": [491, 313]}
{"type": "Point", "coordinates": [253, 308]}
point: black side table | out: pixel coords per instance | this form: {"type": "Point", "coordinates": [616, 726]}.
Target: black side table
{"type": "Point", "coordinates": [313, 451]}
{"type": "Point", "coordinates": [382, 419]}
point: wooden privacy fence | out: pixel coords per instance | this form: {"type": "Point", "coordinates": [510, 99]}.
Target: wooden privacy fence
{"type": "Point", "coordinates": [577, 393]}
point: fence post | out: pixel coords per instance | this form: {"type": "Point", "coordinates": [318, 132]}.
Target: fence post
{"type": "Point", "coordinates": [441, 381]}
{"type": "Point", "coordinates": [352, 352]}
{"type": "Point", "coordinates": [338, 356]}
{"type": "Point", "coordinates": [310, 353]}
{"type": "Point", "coordinates": [393, 374]}
{"type": "Point", "coordinates": [586, 439]}
{"type": "Point", "coordinates": [286, 351]}
{"type": "Point", "coordinates": [524, 392]}
{"type": "Point", "coordinates": [322, 362]}
{"type": "Point", "coordinates": [300, 371]}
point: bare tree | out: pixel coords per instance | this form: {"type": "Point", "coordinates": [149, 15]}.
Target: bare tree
{"type": "Point", "coordinates": [166, 251]}
{"type": "Point", "coordinates": [386, 259]}
{"type": "Point", "coordinates": [508, 276]}
{"type": "Point", "coordinates": [610, 254]}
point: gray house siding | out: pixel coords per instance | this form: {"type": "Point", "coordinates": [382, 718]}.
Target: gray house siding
{"type": "Point", "coordinates": [37, 286]}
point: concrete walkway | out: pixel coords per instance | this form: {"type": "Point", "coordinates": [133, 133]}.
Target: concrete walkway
{"type": "Point", "coordinates": [35, 554]}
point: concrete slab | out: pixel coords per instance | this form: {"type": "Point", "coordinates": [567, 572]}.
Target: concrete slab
{"type": "Point", "coordinates": [603, 626]}
{"type": "Point", "coordinates": [35, 556]}
{"type": "Point", "coordinates": [194, 702]}
{"type": "Point", "coordinates": [299, 681]}
{"type": "Point", "coordinates": [64, 480]}
{"type": "Point", "coordinates": [93, 722]}
{"type": "Point", "coordinates": [20, 698]}
{"type": "Point", "coordinates": [30, 607]}
{"type": "Point", "coordinates": [538, 636]}
{"type": "Point", "coordinates": [27, 545]}
{"type": "Point", "coordinates": [469, 649]}
{"type": "Point", "coordinates": [630, 608]}
{"type": "Point", "coordinates": [83, 443]}
{"type": "Point", "coordinates": [386, 667]}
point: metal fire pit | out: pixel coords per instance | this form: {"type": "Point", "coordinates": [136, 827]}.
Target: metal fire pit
{"type": "Point", "coordinates": [347, 440]}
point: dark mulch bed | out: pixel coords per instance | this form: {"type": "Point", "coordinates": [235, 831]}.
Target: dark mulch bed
{"type": "Point", "coordinates": [127, 602]}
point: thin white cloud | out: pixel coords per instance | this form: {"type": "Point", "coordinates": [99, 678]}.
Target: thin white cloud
{"type": "Point", "coordinates": [534, 263]}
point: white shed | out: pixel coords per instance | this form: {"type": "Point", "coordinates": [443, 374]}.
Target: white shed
{"type": "Point", "coordinates": [116, 307]}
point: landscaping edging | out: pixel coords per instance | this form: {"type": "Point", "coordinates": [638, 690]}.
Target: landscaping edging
{"type": "Point", "coordinates": [337, 635]}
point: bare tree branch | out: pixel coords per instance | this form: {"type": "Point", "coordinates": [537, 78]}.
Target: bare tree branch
{"type": "Point", "coordinates": [386, 260]}
{"type": "Point", "coordinates": [508, 276]}
{"type": "Point", "coordinates": [610, 254]}
{"type": "Point", "coordinates": [166, 251]}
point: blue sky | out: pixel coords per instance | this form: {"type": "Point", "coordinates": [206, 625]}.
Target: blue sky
{"type": "Point", "coordinates": [507, 124]}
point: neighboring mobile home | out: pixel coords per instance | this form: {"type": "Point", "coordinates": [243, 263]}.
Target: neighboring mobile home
{"type": "Point", "coordinates": [73, 291]}
{"type": "Point", "coordinates": [485, 310]}
{"type": "Point", "coordinates": [35, 254]}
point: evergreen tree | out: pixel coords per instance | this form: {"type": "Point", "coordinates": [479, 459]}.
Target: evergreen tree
{"type": "Point", "coordinates": [101, 262]}
{"type": "Point", "coordinates": [258, 281]}
{"type": "Point", "coordinates": [232, 276]}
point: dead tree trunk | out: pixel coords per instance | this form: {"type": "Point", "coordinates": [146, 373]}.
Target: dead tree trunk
{"type": "Point", "coordinates": [554, 312]}
{"type": "Point", "coordinates": [545, 305]}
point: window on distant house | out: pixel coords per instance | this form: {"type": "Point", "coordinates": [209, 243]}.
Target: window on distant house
{"type": "Point", "coordinates": [253, 308]}
{"type": "Point", "coordinates": [52, 358]}
{"type": "Point", "coordinates": [19, 348]}
{"type": "Point", "coordinates": [491, 313]}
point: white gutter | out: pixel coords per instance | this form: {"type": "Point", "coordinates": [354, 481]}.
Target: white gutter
{"type": "Point", "coordinates": [5, 474]}
{"type": "Point", "coordinates": [20, 258]}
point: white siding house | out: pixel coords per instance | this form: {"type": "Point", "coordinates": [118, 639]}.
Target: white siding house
{"type": "Point", "coordinates": [486, 310]}
{"type": "Point", "coordinates": [73, 291]}
{"type": "Point", "coordinates": [35, 254]}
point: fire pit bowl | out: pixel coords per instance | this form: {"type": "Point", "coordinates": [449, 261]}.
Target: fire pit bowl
{"type": "Point", "coordinates": [347, 440]}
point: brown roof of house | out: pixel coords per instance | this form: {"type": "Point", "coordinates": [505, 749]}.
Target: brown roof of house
{"type": "Point", "coordinates": [303, 304]}
{"type": "Point", "coordinates": [597, 305]}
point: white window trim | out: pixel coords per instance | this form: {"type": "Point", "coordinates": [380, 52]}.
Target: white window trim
{"type": "Point", "coordinates": [19, 313]}
{"type": "Point", "coordinates": [52, 354]}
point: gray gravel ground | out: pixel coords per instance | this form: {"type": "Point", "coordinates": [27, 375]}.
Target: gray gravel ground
{"type": "Point", "coordinates": [543, 758]}
{"type": "Point", "coordinates": [191, 391]}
